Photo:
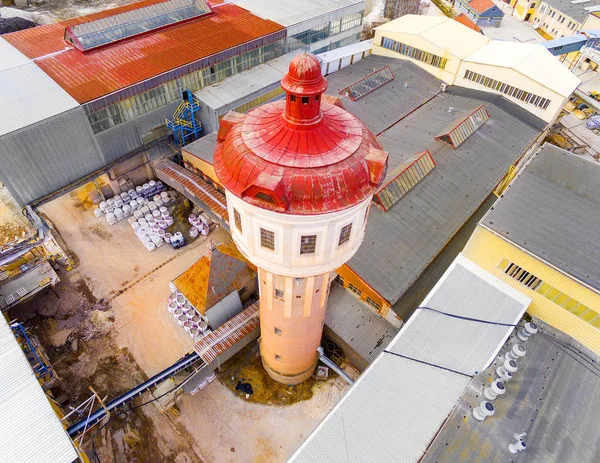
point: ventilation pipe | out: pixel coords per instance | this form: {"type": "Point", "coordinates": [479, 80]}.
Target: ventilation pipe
{"type": "Point", "coordinates": [333, 366]}
{"type": "Point", "coordinates": [509, 366]}
{"type": "Point", "coordinates": [484, 410]}
{"type": "Point", "coordinates": [527, 330]}
{"type": "Point", "coordinates": [516, 352]}
{"type": "Point", "coordinates": [497, 388]}
{"type": "Point", "coordinates": [518, 446]}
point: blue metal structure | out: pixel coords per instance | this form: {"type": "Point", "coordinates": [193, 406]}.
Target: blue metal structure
{"type": "Point", "coordinates": [186, 128]}
{"type": "Point", "coordinates": [40, 367]}
{"type": "Point", "coordinates": [575, 42]}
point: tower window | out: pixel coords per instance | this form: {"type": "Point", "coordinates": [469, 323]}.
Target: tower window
{"type": "Point", "coordinates": [267, 239]}
{"type": "Point", "coordinates": [308, 243]}
{"type": "Point", "coordinates": [292, 98]}
{"type": "Point", "coordinates": [345, 234]}
{"type": "Point", "coordinates": [278, 357]}
{"type": "Point", "coordinates": [238, 220]}
{"type": "Point", "coordinates": [304, 100]}
{"type": "Point", "coordinates": [279, 293]}
{"type": "Point", "coordinates": [277, 331]}
{"type": "Point", "coordinates": [317, 97]}
{"type": "Point", "coordinates": [264, 197]}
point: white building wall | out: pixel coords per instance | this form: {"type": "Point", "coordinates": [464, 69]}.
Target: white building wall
{"type": "Point", "coordinates": [515, 79]}
{"type": "Point", "coordinates": [555, 23]}
{"type": "Point", "coordinates": [288, 229]}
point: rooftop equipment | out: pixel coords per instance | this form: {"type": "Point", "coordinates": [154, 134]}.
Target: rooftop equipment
{"type": "Point", "coordinates": [369, 83]}
{"type": "Point", "coordinates": [465, 128]}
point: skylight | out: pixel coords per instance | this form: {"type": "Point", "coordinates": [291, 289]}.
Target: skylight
{"type": "Point", "coordinates": [94, 34]}
{"type": "Point", "coordinates": [368, 84]}
{"type": "Point", "coordinates": [403, 179]}
{"type": "Point", "coordinates": [465, 128]}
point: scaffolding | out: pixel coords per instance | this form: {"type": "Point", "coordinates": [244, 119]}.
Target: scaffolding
{"type": "Point", "coordinates": [35, 354]}
{"type": "Point", "coordinates": [185, 126]}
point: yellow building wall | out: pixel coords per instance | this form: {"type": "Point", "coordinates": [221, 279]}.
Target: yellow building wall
{"type": "Point", "coordinates": [351, 278]}
{"type": "Point", "coordinates": [488, 250]}
{"type": "Point", "coordinates": [447, 74]}
{"type": "Point", "coordinates": [201, 165]}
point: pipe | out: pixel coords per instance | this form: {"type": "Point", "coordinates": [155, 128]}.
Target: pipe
{"type": "Point", "coordinates": [333, 366]}
{"type": "Point", "coordinates": [184, 362]}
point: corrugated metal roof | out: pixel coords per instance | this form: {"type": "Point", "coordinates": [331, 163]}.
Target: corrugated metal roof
{"type": "Point", "coordinates": [348, 50]}
{"type": "Point", "coordinates": [196, 186]}
{"type": "Point", "coordinates": [552, 210]}
{"type": "Point", "coordinates": [30, 430]}
{"type": "Point", "coordinates": [292, 12]}
{"type": "Point", "coordinates": [28, 95]}
{"type": "Point", "coordinates": [396, 408]}
{"type": "Point", "coordinates": [87, 76]}
{"type": "Point", "coordinates": [555, 396]}
{"type": "Point", "coordinates": [211, 346]}
{"type": "Point", "coordinates": [391, 414]}
{"type": "Point", "coordinates": [361, 328]}
{"type": "Point", "coordinates": [400, 244]}
{"type": "Point", "coordinates": [465, 346]}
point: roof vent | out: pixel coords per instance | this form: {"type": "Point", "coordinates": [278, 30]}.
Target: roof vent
{"type": "Point", "coordinates": [509, 366]}
{"type": "Point", "coordinates": [518, 446]}
{"type": "Point", "coordinates": [497, 388]}
{"type": "Point", "coordinates": [484, 410]}
{"type": "Point", "coordinates": [529, 329]}
{"type": "Point", "coordinates": [517, 351]}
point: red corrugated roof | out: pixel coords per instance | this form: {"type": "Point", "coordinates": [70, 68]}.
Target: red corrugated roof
{"type": "Point", "coordinates": [91, 75]}
{"type": "Point", "coordinates": [466, 21]}
{"type": "Point", "coordinates": [481, 5]}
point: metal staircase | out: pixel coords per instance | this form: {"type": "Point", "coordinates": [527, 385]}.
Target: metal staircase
{"type": "Point", "coordinates": [186, 128]}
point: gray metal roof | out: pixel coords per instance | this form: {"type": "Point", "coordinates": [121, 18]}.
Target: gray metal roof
{"type": "Point", "coordinates": [396, 408]}
{"type": "Point", "coordinates": [574, 11]}
{"type": "Point", "coordinates": [361, 328]}
{"type": "Point", "coordinates": [554, 397]}
{"type": "Point", "coordinates": [30, 429]}
{"type": "Point", "coordinates": [552, 210]}
{"type": "Point", "coordinates": [467, 347]}
{"type": "Point", "coordinates": [400, 244]}
{"type": "Point", "coordinates": [386, 105]}
{"type": "Point", "coordinates": [203, 148]}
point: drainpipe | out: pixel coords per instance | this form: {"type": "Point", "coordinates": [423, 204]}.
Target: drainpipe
{"type": "Point", "coordinates": [333, 366]}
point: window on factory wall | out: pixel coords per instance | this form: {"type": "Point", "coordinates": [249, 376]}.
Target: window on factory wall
{"type": "Point", "coordinates": [549, 292]}
{"type": "Point", "coordinates": [345, 234]}
{"type": "Point", "coordinates": [308, 244]}
{"type": "Point", "coordinates": [373, 304]}
{"type": "Point", "coordinates": [267, 239]}
{"type": "Point", "coordinates": [509, 90]}
{"type": "Point", "coordinates": [355, 290]}
{"type": "Point", "coordinates": [237, 218]}
{"type": "Point", "coordinates": [414, 53]}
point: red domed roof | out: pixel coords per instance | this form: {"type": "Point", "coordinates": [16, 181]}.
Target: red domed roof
{"type": "Point", "coordinates": [305, 155]}
{"type": "Point", "coordinates": [304, 76]}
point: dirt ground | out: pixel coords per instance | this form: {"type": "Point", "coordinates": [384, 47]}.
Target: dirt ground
{"type": "Point", "coordinates": [118, 280]}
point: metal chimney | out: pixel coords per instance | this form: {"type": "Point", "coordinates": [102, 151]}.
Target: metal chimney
{"type": "Point", "coordinates": [497, 388]}
{"type": "Point", "coordinates": [505, 371]}
{"type": "Point", "coordinates": [484, 410]}
{"type": "Point", "coordinates": [516, 352]}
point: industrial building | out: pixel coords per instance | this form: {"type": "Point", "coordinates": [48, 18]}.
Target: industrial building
{"type": "Point", "coordinates": [482, 12]}
{"type": "Point", "coordinates": [79, 102]}
{"type": "Point", "coordinates": [556, 18]}
{"type": "Point", "coordinates": [467, 379]}
{"type": "Point", "coordinates": [539, 238]}
{"type": "Point", "coordinates": [526, 74]}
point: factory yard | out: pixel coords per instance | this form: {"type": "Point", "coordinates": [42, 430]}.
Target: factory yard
{"type": "Point", "coordinates": [116, 275]}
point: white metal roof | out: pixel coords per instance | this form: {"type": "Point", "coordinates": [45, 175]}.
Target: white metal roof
{"type": "Point", "coordinates": [391, 414]}
{"type": "Point", "coordinates": [532, 60]}
{"type": "Point", "coordinates": [30, 430]}
{"type": "Point", "coordinates": [395, 409]}
{"type": "Point", "coordinates": [27, 94]}
{"type": "Point", "coordinates": [292, 12]}
{"type": "Point", "coordinates": [442, 32]}
{"type": "Point", "coordinates": [344, 52]}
